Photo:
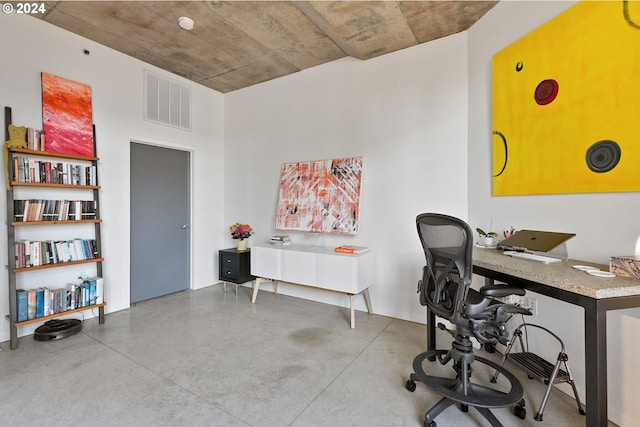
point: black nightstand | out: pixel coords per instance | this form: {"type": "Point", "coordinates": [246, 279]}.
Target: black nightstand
{"type": "Point", "coordinates": [234, 267]}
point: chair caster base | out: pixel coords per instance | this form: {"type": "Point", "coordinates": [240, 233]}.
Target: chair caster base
{"type": "Point", "coordinates": [520, 411]}
{"type": "Point", "coordinates": [489, 347]}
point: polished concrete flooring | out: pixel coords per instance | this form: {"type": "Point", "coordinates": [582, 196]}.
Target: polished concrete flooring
{"type": "Point", "coordinates": [209, 358]}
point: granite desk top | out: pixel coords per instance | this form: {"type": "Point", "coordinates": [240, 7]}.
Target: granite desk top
{"type": "Point", "coordinates": [559, 275]}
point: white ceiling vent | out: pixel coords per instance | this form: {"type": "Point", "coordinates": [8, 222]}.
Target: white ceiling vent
{"type": "Point", "coordinates": [166, 101]}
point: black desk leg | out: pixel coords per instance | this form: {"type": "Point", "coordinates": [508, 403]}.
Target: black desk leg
{"type": "Point", "coordinates": [595, 338]}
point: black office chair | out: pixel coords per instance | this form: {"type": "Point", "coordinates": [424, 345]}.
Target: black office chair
{"type": "Point", "coordinates": [445, 290]}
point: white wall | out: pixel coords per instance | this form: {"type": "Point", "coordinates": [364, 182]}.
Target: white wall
{"type": "Point", "coordinates": [405, 113]}
{"type": "Point", "coordinates": [421, 118]}
{"type": "Point", "coordinates": [605, 224]}
{"type": "Point", "coordinates": [31, 46]}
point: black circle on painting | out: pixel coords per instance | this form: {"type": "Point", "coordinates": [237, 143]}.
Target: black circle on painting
{"type": "Point", "coordinates": [603, 156]}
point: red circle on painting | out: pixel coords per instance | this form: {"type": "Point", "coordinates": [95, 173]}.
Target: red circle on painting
{"type": "Point", "coordinates": [546, 92]}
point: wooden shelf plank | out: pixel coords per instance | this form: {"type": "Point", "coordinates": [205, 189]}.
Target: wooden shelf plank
{"type": "Point", "coordinates": [72, 221]}
{"type": "Point", "coordinates": [63, 313]}
{"type": "Point", "coordinates": [57, 155]}
{"type": "Point", "coordinates": [52, 185]}
{"type": "Point", "coordinates": [59, 264]}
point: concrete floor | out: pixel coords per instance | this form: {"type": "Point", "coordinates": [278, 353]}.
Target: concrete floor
{"type": "Point", "coordinates": [209, 358]}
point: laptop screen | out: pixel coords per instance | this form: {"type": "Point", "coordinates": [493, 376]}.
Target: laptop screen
{"type": "Point", "coordinates": [533, 240]}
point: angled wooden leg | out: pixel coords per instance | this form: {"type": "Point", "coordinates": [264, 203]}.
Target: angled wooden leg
{"type": "Point", "coordinates": [255, 289]}
{"type": "Point", "coordinates": [367, 300]}
{"type": "Point", "coordinates": [275, 287]}
{"type": "Point", "coordinates": [353, 311]}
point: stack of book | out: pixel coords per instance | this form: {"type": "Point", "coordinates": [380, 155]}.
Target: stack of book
{"type": "Point", "coordinates": [348, 249]}
{"type": "Point", "coordinates": [280, 240]}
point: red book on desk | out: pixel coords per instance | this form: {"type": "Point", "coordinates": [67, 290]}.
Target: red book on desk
{"type": "Point", "coordinates": [348, 249]}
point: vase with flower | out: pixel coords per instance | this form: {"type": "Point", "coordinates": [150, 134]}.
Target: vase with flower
{"type": "Point", "coordinates": [241, 233]}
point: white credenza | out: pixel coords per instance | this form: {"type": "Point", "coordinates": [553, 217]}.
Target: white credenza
{"type": "Point", "coordinates": [321, 268]}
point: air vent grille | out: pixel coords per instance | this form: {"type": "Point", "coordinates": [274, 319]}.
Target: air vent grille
{"type": "Point", "coordinates": [166, 102]}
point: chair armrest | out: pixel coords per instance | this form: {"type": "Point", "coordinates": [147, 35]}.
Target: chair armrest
{"type": "Point", "coordinates": [499, 291]}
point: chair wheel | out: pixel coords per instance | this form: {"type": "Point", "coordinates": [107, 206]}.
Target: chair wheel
{"type": "Point", "coordinates": [582, 412]}
{"type": "Point", "coordinates": [490, 347]}
{"type": "Point", "coordinates": [431, 424]}
{"type": "Point", "coordinates": [411, 386]}
{"type": "Point", "coordinates": [520, 412]}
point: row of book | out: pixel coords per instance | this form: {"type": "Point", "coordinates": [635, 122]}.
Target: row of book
{"type": "Point", "coordinates": [26, 169]}
{"type": "Point", "coordinates": [280, 240]}
{"type": "Point", "coordinates": [35, 139]}
{"type": "Point", "coordinates": [53, 210]}
{"type": "Point", "coordinates": [35, 253]}
{"type": "Point", "coordinates": [40, 302]}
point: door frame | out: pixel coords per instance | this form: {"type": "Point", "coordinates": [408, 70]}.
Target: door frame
{"type": "Point", "coordinates": [126, 205]}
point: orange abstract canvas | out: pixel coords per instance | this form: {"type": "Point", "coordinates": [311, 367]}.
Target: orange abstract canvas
{"type": "Point", "coordinates": [67, 116]}
{"type": "Point", "coordinates": [320, 196]}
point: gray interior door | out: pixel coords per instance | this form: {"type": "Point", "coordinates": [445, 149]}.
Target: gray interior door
{"type": "Point", "coordinates": [160, 212]}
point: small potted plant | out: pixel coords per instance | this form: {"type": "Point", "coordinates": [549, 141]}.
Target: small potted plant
{"type": "Point", "coordinates": [487, 239]}
{"type": "Point", "coordinates": [241, 233]}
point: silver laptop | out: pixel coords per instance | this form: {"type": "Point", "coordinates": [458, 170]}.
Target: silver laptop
{"type": "Point", "coordinates": [533, 240]}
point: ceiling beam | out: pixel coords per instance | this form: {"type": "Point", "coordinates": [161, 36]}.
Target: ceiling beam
{"type": "Point", "coordinates": [320, 22]}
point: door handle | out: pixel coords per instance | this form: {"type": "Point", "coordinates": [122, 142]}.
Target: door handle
{"type": "Point", "coordinates": [185, 226]}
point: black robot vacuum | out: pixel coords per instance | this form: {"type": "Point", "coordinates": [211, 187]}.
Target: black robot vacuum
{"type": "Point", "coordinates": [56, 329]}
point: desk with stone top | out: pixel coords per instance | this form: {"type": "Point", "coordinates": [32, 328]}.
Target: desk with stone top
{"type": "Point", "coordinates": [560, 281]}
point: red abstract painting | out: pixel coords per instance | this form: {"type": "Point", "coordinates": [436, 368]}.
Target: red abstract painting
{"type": "Point", "coordinates": [320, 196]}
{"type": "Point", "coordinates": [67, 116]}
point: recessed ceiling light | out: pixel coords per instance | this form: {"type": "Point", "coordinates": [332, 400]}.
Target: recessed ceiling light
{"type": "Point", "coordinates": [185, 23]}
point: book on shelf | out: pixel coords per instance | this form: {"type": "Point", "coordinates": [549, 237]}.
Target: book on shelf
{"type": "Point", "coordinates": [31, 304]}
{"type": "Point", "coordinates": [96, 289]}
{"type": "Point", "coordinates": [21, 304]}
{"type": "Point", "coordinates": [39, 302]}
{"type": "Point", "coordinates": [34, 139]}
{"type": "Point", "coordinates": [349, 249]}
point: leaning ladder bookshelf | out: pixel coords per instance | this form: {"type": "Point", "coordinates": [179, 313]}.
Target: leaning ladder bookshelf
{"type": "Point", "coordinates": [13, 268]}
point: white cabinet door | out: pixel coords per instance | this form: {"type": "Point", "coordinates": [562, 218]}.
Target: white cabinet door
{"type": "Point", "coordinates": [299, 267]}
{"type": "Point", "coordinates": [266, 262]}
{"type": "Point", "coordinates": [345, 273]}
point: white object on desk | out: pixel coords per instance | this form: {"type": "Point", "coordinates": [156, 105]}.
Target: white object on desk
{"type": "Point", "coordinates": [317, 267]}
{"type": "Point", "coordinates": [599, 273]}
{"type": "Point", "coordinates": [586, 268]}
{"type": "Point", "coordinates": [532, 257]}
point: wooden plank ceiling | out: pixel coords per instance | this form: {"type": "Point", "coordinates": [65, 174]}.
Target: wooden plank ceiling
{"type": "Point", "coordinates": [235, 44]}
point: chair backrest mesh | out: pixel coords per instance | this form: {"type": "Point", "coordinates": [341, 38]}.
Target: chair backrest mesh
{"type": "Point", "coordinates": [448, 244]}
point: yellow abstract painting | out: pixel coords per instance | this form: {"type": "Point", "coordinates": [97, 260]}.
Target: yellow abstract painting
{"type": "Point", "coordinates": [566, 104]}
